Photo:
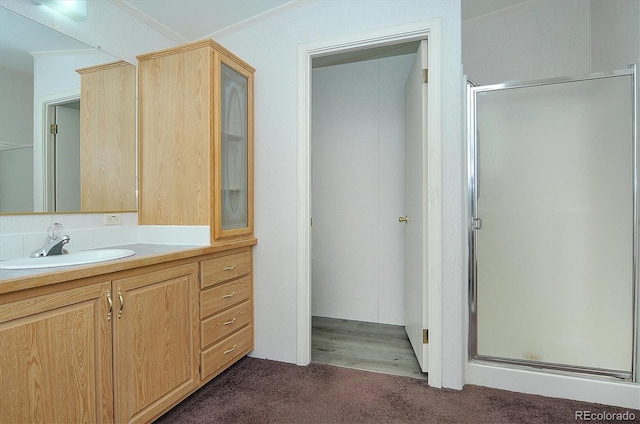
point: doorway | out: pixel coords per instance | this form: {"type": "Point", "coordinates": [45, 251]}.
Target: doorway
{"type": "Point", "coordinates": [432, 223]}
{"type": "Point", "coordinates": [63, 158]}
{"type": "Point", "coordinates": [358, 181]}
{"type": "Point", "coordinates": [358, 186]}
{"type": "Point", "coordinates": [57, 155]}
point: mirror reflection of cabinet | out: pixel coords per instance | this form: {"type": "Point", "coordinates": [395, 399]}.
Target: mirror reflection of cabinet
{"type": "Point", "coordinates": [107, 137]}
{"type": "Point", "coordinates": [196, 139]}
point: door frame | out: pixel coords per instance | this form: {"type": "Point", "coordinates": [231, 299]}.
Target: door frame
{"type": "Point", "coordinates": [43, 139]}
{"type": "Point", "coordinates": [430, 30]}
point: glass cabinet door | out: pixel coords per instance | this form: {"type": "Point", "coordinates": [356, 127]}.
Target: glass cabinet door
{"type": "Point", "coordinates": [234, 153]}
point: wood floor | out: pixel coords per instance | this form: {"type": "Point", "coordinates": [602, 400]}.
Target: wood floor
{"type": "Point", "coordinates": [363, 345]}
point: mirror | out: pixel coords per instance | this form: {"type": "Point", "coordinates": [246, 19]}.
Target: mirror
{"type": "Point", "coordinates": [40, 85]}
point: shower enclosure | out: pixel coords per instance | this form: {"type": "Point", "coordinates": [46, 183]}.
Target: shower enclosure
{"type": "Point", "coordinates": [554, 224]}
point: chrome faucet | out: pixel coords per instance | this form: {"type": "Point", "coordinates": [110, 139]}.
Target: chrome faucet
{"type": "Point", "coordinates": [54, 243]}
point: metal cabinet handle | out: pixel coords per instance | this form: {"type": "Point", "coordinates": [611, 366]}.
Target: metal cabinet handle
{"type": "Point", "coordinates": [229, 268]}
{"type": "Point", "coordinates": [230, 350]}
{"type": "Point", "coordinates": [226, 296]}
{"type": "Point", "coordinates": [110, 305]}
{"type": "Point", "coordinates": [230, 322]}
{"type": "Point", "coordinates": [121, 303]}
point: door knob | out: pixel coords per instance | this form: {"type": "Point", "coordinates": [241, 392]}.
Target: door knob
{"type": "Point", "coordinates": [403, 219]}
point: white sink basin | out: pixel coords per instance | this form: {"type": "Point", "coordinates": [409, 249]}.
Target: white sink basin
{"type": "Point", "coordinates": [80, 257]}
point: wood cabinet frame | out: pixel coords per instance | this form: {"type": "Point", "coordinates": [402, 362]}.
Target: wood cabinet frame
{"type": "Point", "coordinates": [180, 137]}
{"type": "Point", "coordinates": [218, 232]}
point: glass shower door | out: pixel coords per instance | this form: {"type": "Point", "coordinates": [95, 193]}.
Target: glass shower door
{"type": "Point", "coordinates": [553, 212]}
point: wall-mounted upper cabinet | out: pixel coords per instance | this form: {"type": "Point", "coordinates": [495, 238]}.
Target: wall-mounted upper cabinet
{"type": "Point", "coordinates": [196, 139]}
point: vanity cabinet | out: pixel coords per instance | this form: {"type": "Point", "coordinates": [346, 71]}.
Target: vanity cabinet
{"type": "Point", "coordinates": [196, 139]}
{"type": "Point", "coordinates": [123, 350]}
{"type": "Point", "coordinates": [155, 348]}
{"type": "Point", "coordinates": [55, 360]}
{"type": "Point", "coordinates": [108, 137]}
{"type": "Point", "coordinates": [124, 346]}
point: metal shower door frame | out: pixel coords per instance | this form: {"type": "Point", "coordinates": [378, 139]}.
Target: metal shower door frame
{"type": "Point", "coordinates": [474, 224]}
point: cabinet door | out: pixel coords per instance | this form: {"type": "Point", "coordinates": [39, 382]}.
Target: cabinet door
{"type": "Point", "coordinates": [175, 137]}
{"type": "Point", "coordinates": [156, 341]}
{"type": "Point", "coordinates": [234, 151]}
{"type": "Point", "coordinates": [55, 358]}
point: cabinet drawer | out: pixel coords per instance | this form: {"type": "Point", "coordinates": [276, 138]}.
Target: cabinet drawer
{"type": "Point", "coordinates": [218, 270]}
{"type": "Point", "coordinates": [227, 351]}
{"type": "Point", "coordinates": [221, 297]}
{"type": "Point", "coordinates": [218, 326]}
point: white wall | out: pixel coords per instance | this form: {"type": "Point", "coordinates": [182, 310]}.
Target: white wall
{"type": "Point", "coordinates": [272, 48]}
{"type": "Point", "coordinates": [16, 104]}
{"type": "Point", "coordinates": [615, 34]}
{"type": "Point", "coordinates": [16, 165]}
{"type": "Point", "coordinates": [16, 122]}
{"type": "Point", "coordinates": [546, 39]}
{"type": "Point", "coordinates": [539, 39]}
{"type": "Point", "coordinates": [358, 190]}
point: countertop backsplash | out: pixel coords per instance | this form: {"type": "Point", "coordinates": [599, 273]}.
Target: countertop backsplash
{"type": "Point", "coordinates": [22, 234]}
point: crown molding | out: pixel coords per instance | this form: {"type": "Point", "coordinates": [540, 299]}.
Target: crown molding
{"type": "Point", "coordinates": [505, 11]}
{"type": "Point", "coordinates": [146, 19]}
{"type": "Point", "coordinates": [254, 20]}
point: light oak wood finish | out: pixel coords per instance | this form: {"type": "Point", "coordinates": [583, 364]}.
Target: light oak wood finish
{"type": "Point", "coordinates": [180, 137]}
{"type": "Point", "coordinates": [69, 355]}
{"type": "Point", "coordinates": [220, 356]}
{"type": "Point", "coordinates": [175, 103]}
{"type": "Point", "coordinates": [225, 268]}
{"type": "Point", "coordinates": [55, 361]}
{"type": "Point", "coordinates": [220, 325]}
{"type": "Point", "coordinates": [157, 341]}
{"type": "Point", "coordinates": [108, 137]}
{"type": "Point", "coordinates": [226, 309]}
{"type": "Point", "coordinates": [220, 297]}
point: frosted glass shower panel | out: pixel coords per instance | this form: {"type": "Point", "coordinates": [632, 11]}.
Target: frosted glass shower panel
{"type": "Point", "coordinates": [555, 196]}
{"type": "Point", "coordinates": [234, 150]}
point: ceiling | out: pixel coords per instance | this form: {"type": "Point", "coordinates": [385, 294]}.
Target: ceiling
{"type": "Point", "coordinates": [189, 20]}
{"type": "Point", "coordinates": [19, 37]}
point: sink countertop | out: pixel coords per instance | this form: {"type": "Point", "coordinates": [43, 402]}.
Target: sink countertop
{"type": "Point", "coordinates": [146, 254]}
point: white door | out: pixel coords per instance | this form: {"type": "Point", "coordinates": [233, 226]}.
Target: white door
{"type": "Point", "coordinates": [416, 320]}
{"type": "Point", "coordinates": [358, 168]}
{"type": "Point", "coordinates": [67, 158]}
